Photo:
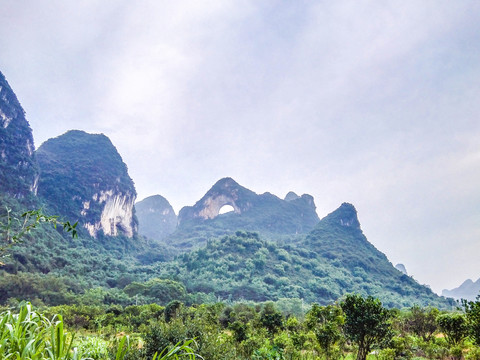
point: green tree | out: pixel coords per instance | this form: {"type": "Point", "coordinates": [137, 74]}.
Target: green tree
{"type": "Point", "coordinates": [270, 318]}
{"type": "Point", "coordinates": [326, 323]}
{"type": "Point", "coordinates": [472, 312]}
{"type": "Point", "coordinates": [422, 322]}
{"type": "Point", "coordinates": [367, 323]}
{"type": "Point", "coordinates": [14, 228]}
{"type": "Point", "coordinates": [454, 327]}
{"type": "Point", "coordinates": [172, 310]}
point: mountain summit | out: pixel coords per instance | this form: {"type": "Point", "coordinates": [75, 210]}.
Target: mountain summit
{"type": "Point", "coordinates": [84, 178]}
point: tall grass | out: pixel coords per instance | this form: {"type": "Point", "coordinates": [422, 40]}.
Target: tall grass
{"type": "Point", "coordinates": [179, 350]}
{"type": "Point", "coordinates": [29, 335]}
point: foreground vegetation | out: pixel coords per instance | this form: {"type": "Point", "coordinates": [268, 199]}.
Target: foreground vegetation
{"type": "Point", "coordinates": [355, 327]}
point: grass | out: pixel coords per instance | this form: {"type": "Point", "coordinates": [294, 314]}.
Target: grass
{"type": "Point", "coordinates": [30, 335]}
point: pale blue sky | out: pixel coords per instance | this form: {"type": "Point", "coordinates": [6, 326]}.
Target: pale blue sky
{"type": "Point", "coordinates": [370, 102]}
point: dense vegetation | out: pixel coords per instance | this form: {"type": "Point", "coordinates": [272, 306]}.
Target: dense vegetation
{"type": "Point", "coordinates": [51, 268]}
{"type": "Point", "coordinates": [356, 326]}
{"type": "Point", "coordinates": [18, 168]}
{"type": "Point", "coordinates": [333, 259]}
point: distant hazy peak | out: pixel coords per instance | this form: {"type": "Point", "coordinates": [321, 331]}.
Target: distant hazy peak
{"type": "Point", "coordinates": [401, 267]}
{"type": "Point", "coordinates": [156, 217]}
{"type": "Point", "coordinates": [154, 200]}
{"type": "Point", "coordinates": [468, 290]}
{"type": "Point", "coordinates": [291, 196]}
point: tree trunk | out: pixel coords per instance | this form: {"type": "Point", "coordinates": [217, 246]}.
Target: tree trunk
{"type": "Point", "coordinates": [362, 353]}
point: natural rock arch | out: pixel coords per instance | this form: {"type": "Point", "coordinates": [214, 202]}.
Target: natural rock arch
{"type": "Point", "coordinates": [212, 206]}
{"type": "Point", "coordinates": [225, 209]}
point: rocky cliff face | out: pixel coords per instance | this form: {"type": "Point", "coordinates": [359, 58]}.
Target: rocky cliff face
{"type": "Point", "coordinates": [156, 217]}
{"type": "Point", "coordinates": [83, 177]}
{"type": "Point", "coordinates": [18, 168]}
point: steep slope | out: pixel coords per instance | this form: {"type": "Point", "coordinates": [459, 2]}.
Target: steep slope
{"type": "Point", "coordinates": [18, 167]}
{"type": "Point", "coordinates": [338, 240]}
{"type": "Point", "coordinates": [469, 290]}
{"type": "Point", "coordinates": [243, 266]}
{"type": "Point", "coordinates": [156, 217]}
{"type": "Point", "coordinates": [266, 214]}
{"type": "Point", "coordinates": [83, 177]}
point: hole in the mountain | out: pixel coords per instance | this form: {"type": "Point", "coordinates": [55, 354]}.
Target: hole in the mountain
{"type": "Point", "coordinates": [226, 209]}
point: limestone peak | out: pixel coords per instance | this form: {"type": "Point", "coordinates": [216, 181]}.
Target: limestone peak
{"type": "Point", "coordinates": [84, 178]}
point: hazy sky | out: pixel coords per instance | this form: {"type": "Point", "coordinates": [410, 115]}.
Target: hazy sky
{"type": "Point", "coordinates": [375, 103]}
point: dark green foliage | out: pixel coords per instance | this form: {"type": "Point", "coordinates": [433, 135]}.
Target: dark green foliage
{"type": "Point", "coordinates": [367, 323]}
{"type": "Point", "coordinates": [160, 291]}
{"type": "Point", "coordinates": [422, 322]}
{"type": "Point", "coordinates": [472, 311]}
{"type": "Point", "coordinates": [18, 167]}
{"type": "Point", "coordinates": [326, 323]}
{"type": "Point", "coordinates": [172, 310]}
{"type": "Point", "coordinates": [454, 326]}
{"type": "Point", "coordinates": [243, 266]}
{"type": "Point", "coordinates": [271, 318]}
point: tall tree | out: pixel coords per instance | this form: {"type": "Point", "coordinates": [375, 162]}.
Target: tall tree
{"type": "Point", "coordinates": [367, 323]}
{"type": "Point", "coordinates": [326, 323]}
{"type": "Point", "coordinates": [454, 326]}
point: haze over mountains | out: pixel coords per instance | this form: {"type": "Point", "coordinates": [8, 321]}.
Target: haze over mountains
{"type": "Point", "coordinates": [468, 290]}
{"type": "Point", "coordinates": [267, 248]}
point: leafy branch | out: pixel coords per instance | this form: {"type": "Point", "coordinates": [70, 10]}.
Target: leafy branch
{"type": "Point", "coordinates": [13, 229]}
